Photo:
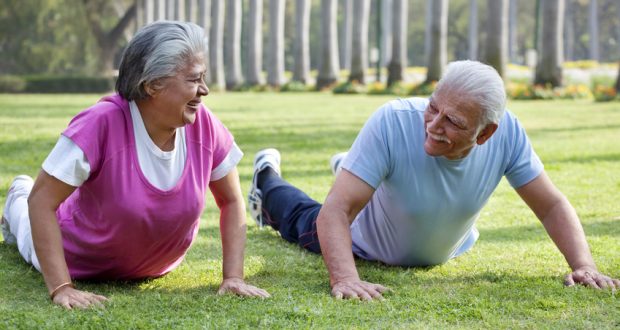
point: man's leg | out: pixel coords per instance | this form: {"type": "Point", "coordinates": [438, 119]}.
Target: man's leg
{"type": "Point", "coordinates": [283, 206]}
{"type": "Point", "coordinates": [16, 221]}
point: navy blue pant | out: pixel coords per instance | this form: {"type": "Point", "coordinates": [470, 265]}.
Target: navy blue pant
{"type": "Point", "coordinates": [290, 211]}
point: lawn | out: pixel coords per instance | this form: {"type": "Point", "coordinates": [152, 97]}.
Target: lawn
{"type": "Point", "coordinates": [512, 278]}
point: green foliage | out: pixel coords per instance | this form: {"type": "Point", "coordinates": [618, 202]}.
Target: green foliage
{"type": "Point", "coordinates": [424, 88]}
{"type": "Point", "coordinates": [526, 91]}
{"type": "Point", "coordinates": [11, 84]}
{"type": "Point", "coordinates": [296, 86]}
{"type": "Point", "coordinates": [512, 278]}
{"type": "Point", "coordinates": [349, 87]}
{"type": "Point", "coordinates": [60, 84]}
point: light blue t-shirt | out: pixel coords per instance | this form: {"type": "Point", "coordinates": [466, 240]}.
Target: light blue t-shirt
{"type": "Point", "coordinates": [424, 208]}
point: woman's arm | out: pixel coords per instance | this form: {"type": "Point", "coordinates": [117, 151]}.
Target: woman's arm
{"type": "Point", "coordinates": [45, 197]}
{"type": "Point", "coordinates": [227, 194]}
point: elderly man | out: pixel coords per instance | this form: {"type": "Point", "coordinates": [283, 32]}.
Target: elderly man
{"type": "Point", "coordinates": [414, 182]}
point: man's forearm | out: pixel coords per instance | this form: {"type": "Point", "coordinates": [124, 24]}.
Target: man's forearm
{"type": "Point", "coordinates": [335, 239]}
{"type": "Point", "coordinates": [564, 228]}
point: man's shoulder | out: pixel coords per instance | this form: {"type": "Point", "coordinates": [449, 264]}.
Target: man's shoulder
{"type": "Point", "coordinates": [413, 104]}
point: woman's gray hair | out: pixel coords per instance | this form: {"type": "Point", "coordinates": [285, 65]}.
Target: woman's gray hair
{"type": "Point", "coordinates": [158, 50]}
{"type": "Point", "coordinates": [478, 83]}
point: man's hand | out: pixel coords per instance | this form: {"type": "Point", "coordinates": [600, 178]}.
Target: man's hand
{"type": "Point", "coordinates": [358, 290]}
{"type": "Point", "coordinates": [69, 298]}
{"type": "Point", "coordinates": [590, 277]}
{"type": "Point", "coordinates": [239, 287]}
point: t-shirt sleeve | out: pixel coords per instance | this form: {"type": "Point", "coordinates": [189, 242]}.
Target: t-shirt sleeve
{"type": "Point", "coordinates": [67, 163]}
{"type": "Point", "coordinates": [523, 164]}
{"type": "Point", "coordinates": [232, 159]}
{"type": "Point", "coordinates": [369, 156]}
{"type": "Point", "coordinates": [221, 140]}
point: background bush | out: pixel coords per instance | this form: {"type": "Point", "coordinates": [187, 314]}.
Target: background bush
{"type": "Point", "coordinates": [68, 84]}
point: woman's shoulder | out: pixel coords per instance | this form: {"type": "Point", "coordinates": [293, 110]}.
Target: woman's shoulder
{"type": "Point", "coordinates": [108, 109]}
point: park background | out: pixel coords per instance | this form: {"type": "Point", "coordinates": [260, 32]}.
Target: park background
{"type": "Point", "coordinates": [302, 76]}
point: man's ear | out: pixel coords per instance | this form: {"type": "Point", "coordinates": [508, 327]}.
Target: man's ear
{"type": "Point", "coordinates": [486, 133]}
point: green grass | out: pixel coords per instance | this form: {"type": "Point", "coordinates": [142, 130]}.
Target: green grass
{"type": "Point", "coordinates": [511, 278]}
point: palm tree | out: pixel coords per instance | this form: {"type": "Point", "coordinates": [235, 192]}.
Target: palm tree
{"type": "Point", "coordinates": [255, 43]}
{"type": "Point", "coordinates": [512, 31]}
{"type": "Point", "coordinates": [549, 67]}
{"type": "Point", "coordinates": [359, 56]}
{"type": "Point", "coordinates": [386, 32]}
{"type": "Point", "coordinates": [302, 41]}
{"type": "Point", "coordinates": [473, 29]}
{"type": "Point", "coordinates": [593, 23]}
{"type": "Point", "coordinates": [160, 10]}
{"type": "Point", "coordinates": [232, 42]}
{"type": "Point", "coordinates": [569, 31]}
{"type": "Point", "coordinates": [497, 37]}
{"type": "Point", "coordinates": [204, 12]}
{"type": "Point", "coordinates": [179, 10]}
{"type": "Point", "coordinates": [328, 66]}
{"type": "Point", "coordinates": [398, 63]}
{"type": "Point", "coordinates": [275, 67]}
{"type": "Point", "coordinates": [216, 43]}
{"type": "Point", "coordinates": [438, 52]}
{"type": "Point", "coordinates": [345, 36]}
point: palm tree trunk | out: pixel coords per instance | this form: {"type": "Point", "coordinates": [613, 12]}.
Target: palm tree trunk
{"type": "Point", "coordinates": [569, 31]}
{"type": "Point", "coordinates": [255, 43]}
{"type": "Point", "coordinates": [232, 42]}
{"type": "Point", "coordinates": [275, 69]}
{"type": "Point", "coordinates": [512, 31]}
{"type": "Point", "coordinates": [328, 66]}
{"type": "Point", "coordinates": [347, 28]}
{"type": "Point", "coordinates": [438, 53]}
{"type": "Point", "coordinates": [160, 10]}
{"type": "Point", "coordinates": [593, 24]}
{"type": "Point", "coordinates": [302, 41]}
{"type": "Point", "coordinates": [216, 44]}
{"type": "Point", "coordinates": [473, 29]}
{"type": "Point", "coordinates": [549, 67]}
{"type": "Point", "coordinates": [398, 63]}
{"type": "Point", "coordinates": [386, 31]}
{"type": "Point", "coordinates": [497, 37]}
{"type": "Point", "coordinates": [203, 19]}
{"type": "Point", "coordinates": [359, 57]}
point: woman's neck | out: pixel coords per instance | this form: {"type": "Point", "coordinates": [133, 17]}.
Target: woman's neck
{"type": "Point", "coordinates": [162, 135]}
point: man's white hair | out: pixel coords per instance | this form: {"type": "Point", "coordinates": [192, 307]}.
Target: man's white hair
{"type": "Point", "coordinates": [478, 83]}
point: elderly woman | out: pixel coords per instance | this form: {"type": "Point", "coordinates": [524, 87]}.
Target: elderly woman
{"type": "Point", "coordinates": [121, 194]}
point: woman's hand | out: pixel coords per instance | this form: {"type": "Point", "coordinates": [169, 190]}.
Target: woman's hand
{"type": "Point", "coordinates": [239, 287]}
{"type": "Point", "coordinates": [69, 298]}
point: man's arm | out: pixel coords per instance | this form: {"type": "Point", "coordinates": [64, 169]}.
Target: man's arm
{"type": "Point", "coordinates": [227, 194]}
{"type": "Point", "coordinates": [562, 224]}
{"type": "Point", "coordinates": [344, 201]}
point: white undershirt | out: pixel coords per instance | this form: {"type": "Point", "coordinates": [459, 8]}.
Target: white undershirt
{"type": "Point", "coordinates": [163, 169]}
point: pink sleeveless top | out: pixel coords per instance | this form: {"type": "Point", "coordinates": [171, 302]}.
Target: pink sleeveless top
{"type": "Point", "coordinates": [119, 226]}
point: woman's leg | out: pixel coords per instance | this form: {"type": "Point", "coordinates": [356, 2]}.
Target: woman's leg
{"type": "Point", "coordinates": [16, 222]}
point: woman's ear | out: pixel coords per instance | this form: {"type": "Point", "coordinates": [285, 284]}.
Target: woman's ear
{"type": "Point", "coordinates": [153, 88]}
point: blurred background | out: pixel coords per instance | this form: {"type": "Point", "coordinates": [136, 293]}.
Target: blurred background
{"type": "Point", "coordinates": [350, 46]}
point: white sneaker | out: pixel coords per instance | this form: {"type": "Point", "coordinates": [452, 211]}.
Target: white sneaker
{"type": "Point", "coordinates": [335, 163]}
{"type": "Point", "coordinates": [263, 159]}
{"type": "Point", "coordinates": [4, 223]}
